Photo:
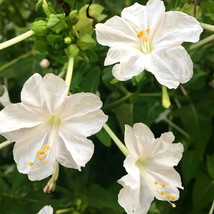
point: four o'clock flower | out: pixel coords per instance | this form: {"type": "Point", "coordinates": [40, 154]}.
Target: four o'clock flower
{"type": "Point", "coordinates": [49, 126]}
{"type": "Point", "coordinates": [46, 210]}
{"type": "Point", "coordinates": [147, 37]}
{"type": "Point", "coordinates": [150, 169]}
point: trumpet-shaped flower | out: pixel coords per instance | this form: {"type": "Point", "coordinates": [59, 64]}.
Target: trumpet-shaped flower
{"type": "Point", "coordinates": [46, 210]}
{"type": "Point", "coordinates": [149, 165]}
{"type": "Point", "coordinates": [49, 126]}
{"type": "Point", "coordinates": [147, 37]}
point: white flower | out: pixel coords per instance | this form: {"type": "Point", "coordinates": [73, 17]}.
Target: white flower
{"type": "Point", "coordinates": [46, 210]}
{"type": "Point", "coordinates": [4, 99]}
{"type": "Point", "coordinates": [150, 169]}
{"type": "Point", "coordinates": [147, 37]}
{"type": "Point", "coordinates": [49, 126]}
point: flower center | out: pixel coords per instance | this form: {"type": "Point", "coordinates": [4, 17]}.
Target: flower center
{"type": "Point", "coordinates": [43, 153]}
{"type": "Point", "coordinates": [144, 40]}
{"type": "Point", "coordinates": [157, 187]}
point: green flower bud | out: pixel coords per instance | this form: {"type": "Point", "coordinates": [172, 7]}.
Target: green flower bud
{"type": "Point", "coordinates": [67, 40]}
{"type": "Point", "coordinates": [39, 27]}
{"type": "Point", "coordinates": [72, 14]}
{"type": "Point", "coordinates": [86, 42]}
{"type": "Point", "coordinates": [56, 23]}
{"type": "Point", "coordinates": [72, 51]}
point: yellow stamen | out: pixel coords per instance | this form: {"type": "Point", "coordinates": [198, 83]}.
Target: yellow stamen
{"type": "Point", "coordinates": [145, 38]}
{"type": "Point", "coordinates": [156, 182]}
{"type": "Point", "coordinates": [47, 147]}
{"type": "Point", "coordinates": [140, 34]}
{"type": "Point", "coordinates": [168, 196]}
{"type": "Point", "coordinates": [40, 157]}
{"type": "Point", "coordinates": [45, 161]}
{"type": "Point", "coordinates": [41, 152]}
{"type": "Point", "coordinates": [163, 184]}
{"type": "Point", "coordinates": [162, 192]}
{"type": "Point", "coordinates": [148, 30]}
{"type": "Point", "coordinates": [173, 197]}
{"type": "Point", "coordinates": [30, 163]}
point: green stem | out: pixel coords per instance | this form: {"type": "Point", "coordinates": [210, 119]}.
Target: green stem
{"type": "Point", "coordinates": [176, 127]}
{"type": "Point", "coordinates": [5, 66]}
{"type": "Point", "coordinates": [117, 102]}
{"type": "Point", "coordinates": [64, 211]}
{"type": "Point", "coordinates": [207, 26]}
{"type": "Point", "coordinates": [150, 95]}
{"type": "Point", "coordinates": [69, 73]}
{"type": "Point", "coordinates": [16, 39]}
{"type": "Point", "coordinates": [4, 144]}
{"type": "Point", "coordinates": [212, 208]}
{"type": "Point", "coordinates": [202, 42]}
{"type": "Point", "coordinates": [120, 145]}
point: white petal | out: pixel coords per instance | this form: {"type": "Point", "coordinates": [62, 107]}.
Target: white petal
{"type": "Point", "coordinates": [169, 176]}
{"type": "Point", "coordinates": [46, 210]}
{"type": "Point", "coordinates": [116, 32]}
{"type": "Point", "coordinates": [133, 67]}
{"type": "Point", "coordinates": [87, 124]}
{"type": "Point", "coordinates": [80, 104]}
{"type": "Point", "coordinates": [138, 139]}
{"type": "Point", "coordinates": [27, 145]}
{"type": "Point", "coordinates": [137, 200]}
{"type": "Point", "coordinates": [41, 169]}
{"type": "Point", "coordinates": [17, 116]}
{"type": "Point", "coordinates": [170, 66]}
{"type": "Point", "coordinates": [81, 149]}
{"type": "Point", "coordinates": [164, 152]}
{"type": "Point", "coordinates": [4, 99]}
{"type": "Point", "coordinates": [120, 54]}
{"type": "Point", "coordinates": [149, 16]}
{"type": "Point", "coordinates": [46, 93]}
{"type": "Point", "coordinates": [177, 28]}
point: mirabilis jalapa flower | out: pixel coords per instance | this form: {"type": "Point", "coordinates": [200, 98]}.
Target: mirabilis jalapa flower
{"type": "Point", "coordinates": [49, 126]}
{"type": "Point", "coordinates": [149, 165]}
{"type": "Point", "coordinates": [147, 37]}
{"type": "Point", "coordinates": [46, 210]}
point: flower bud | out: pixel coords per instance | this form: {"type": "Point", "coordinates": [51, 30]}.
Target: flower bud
{"type": "Point", "coordinates": [39, 27]}
{"type": "Point", "coordinates": [44, 63]}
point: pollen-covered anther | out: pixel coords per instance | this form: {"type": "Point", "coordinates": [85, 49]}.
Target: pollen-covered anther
{"type": "Point", "coordinates": [41, 152]}
{"type": "Point", "coordinates": [162, 192]}
{"type": "Point", "coordinates": [156, 182]}
{"type": "Point", "coordinates": [163, 185]}
{"type": "Point", "coordinates": [30, 163]}
{"type": "Point", "coordinates": [140, 34]}
{"type": "Point", "coordinates": [148, 30]}
{"type": "Point", "coordinates": [173, 197]}
{"type": "Point", "coordinates": [40, 157]}
{"type": "Point", "coordinates": [145, 38]}
{"type": "Point", "coordinates": [46, 147]}
{"type": "Point", "coordinates": [168, 195]}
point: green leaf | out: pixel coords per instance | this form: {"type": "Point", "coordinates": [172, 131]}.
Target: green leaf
{"type": "Point", "coordinates": [91, 80]}
{"type": "Point", "coordinates": [86, 42]}
{"type": "Point", "coordinates": [210, 165]}
{"type": "Point", "coordinates": [104, 137]}
{"type": "Point", "coordinates": [203, 193]}
{"type": "Point", "coordinates": [56, 23]}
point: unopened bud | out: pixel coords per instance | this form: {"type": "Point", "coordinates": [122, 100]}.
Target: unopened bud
{"type": "Point", "coordinates": [44, 63]}
{"type": "Point", "coordinates": [165, 98]}
{"type": "Point", "coordinates": [67, 40]}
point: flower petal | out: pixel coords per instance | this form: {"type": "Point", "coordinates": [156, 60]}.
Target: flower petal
{"type": "Point", "coordinates": [4, 99]}
{"type": "Point", "coordinates": [137, 200]}
{"type": "Point", "coordinates": [27, 145]}
{"type": "Point", "coordinates": [117, 32]}
{"type": "Point", "coordinates": [170, 66]}
{"type": "Point", "coordinates": [87, 124]}
{"type": "Point", "coordinates": [15, 117]}
{"type": "Point", "coordinates": [46, 210]}
{"type": "Point", "coordinates": [177, 28]}
{"type": "Point", "coordinates": [138, 139]}
{"type": "Point", "coordinates": [133, 67]}
{"type": "Point", "coordinates": [80, 104]}
{"type": "Point", "coordinates": [149, 16]}
{"type": "Point", "coordinates": [80, 148]}
{"type": "Point", "coordinates": [46, 93]}
{"type": "Point", "coordinates": [120, 54]}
